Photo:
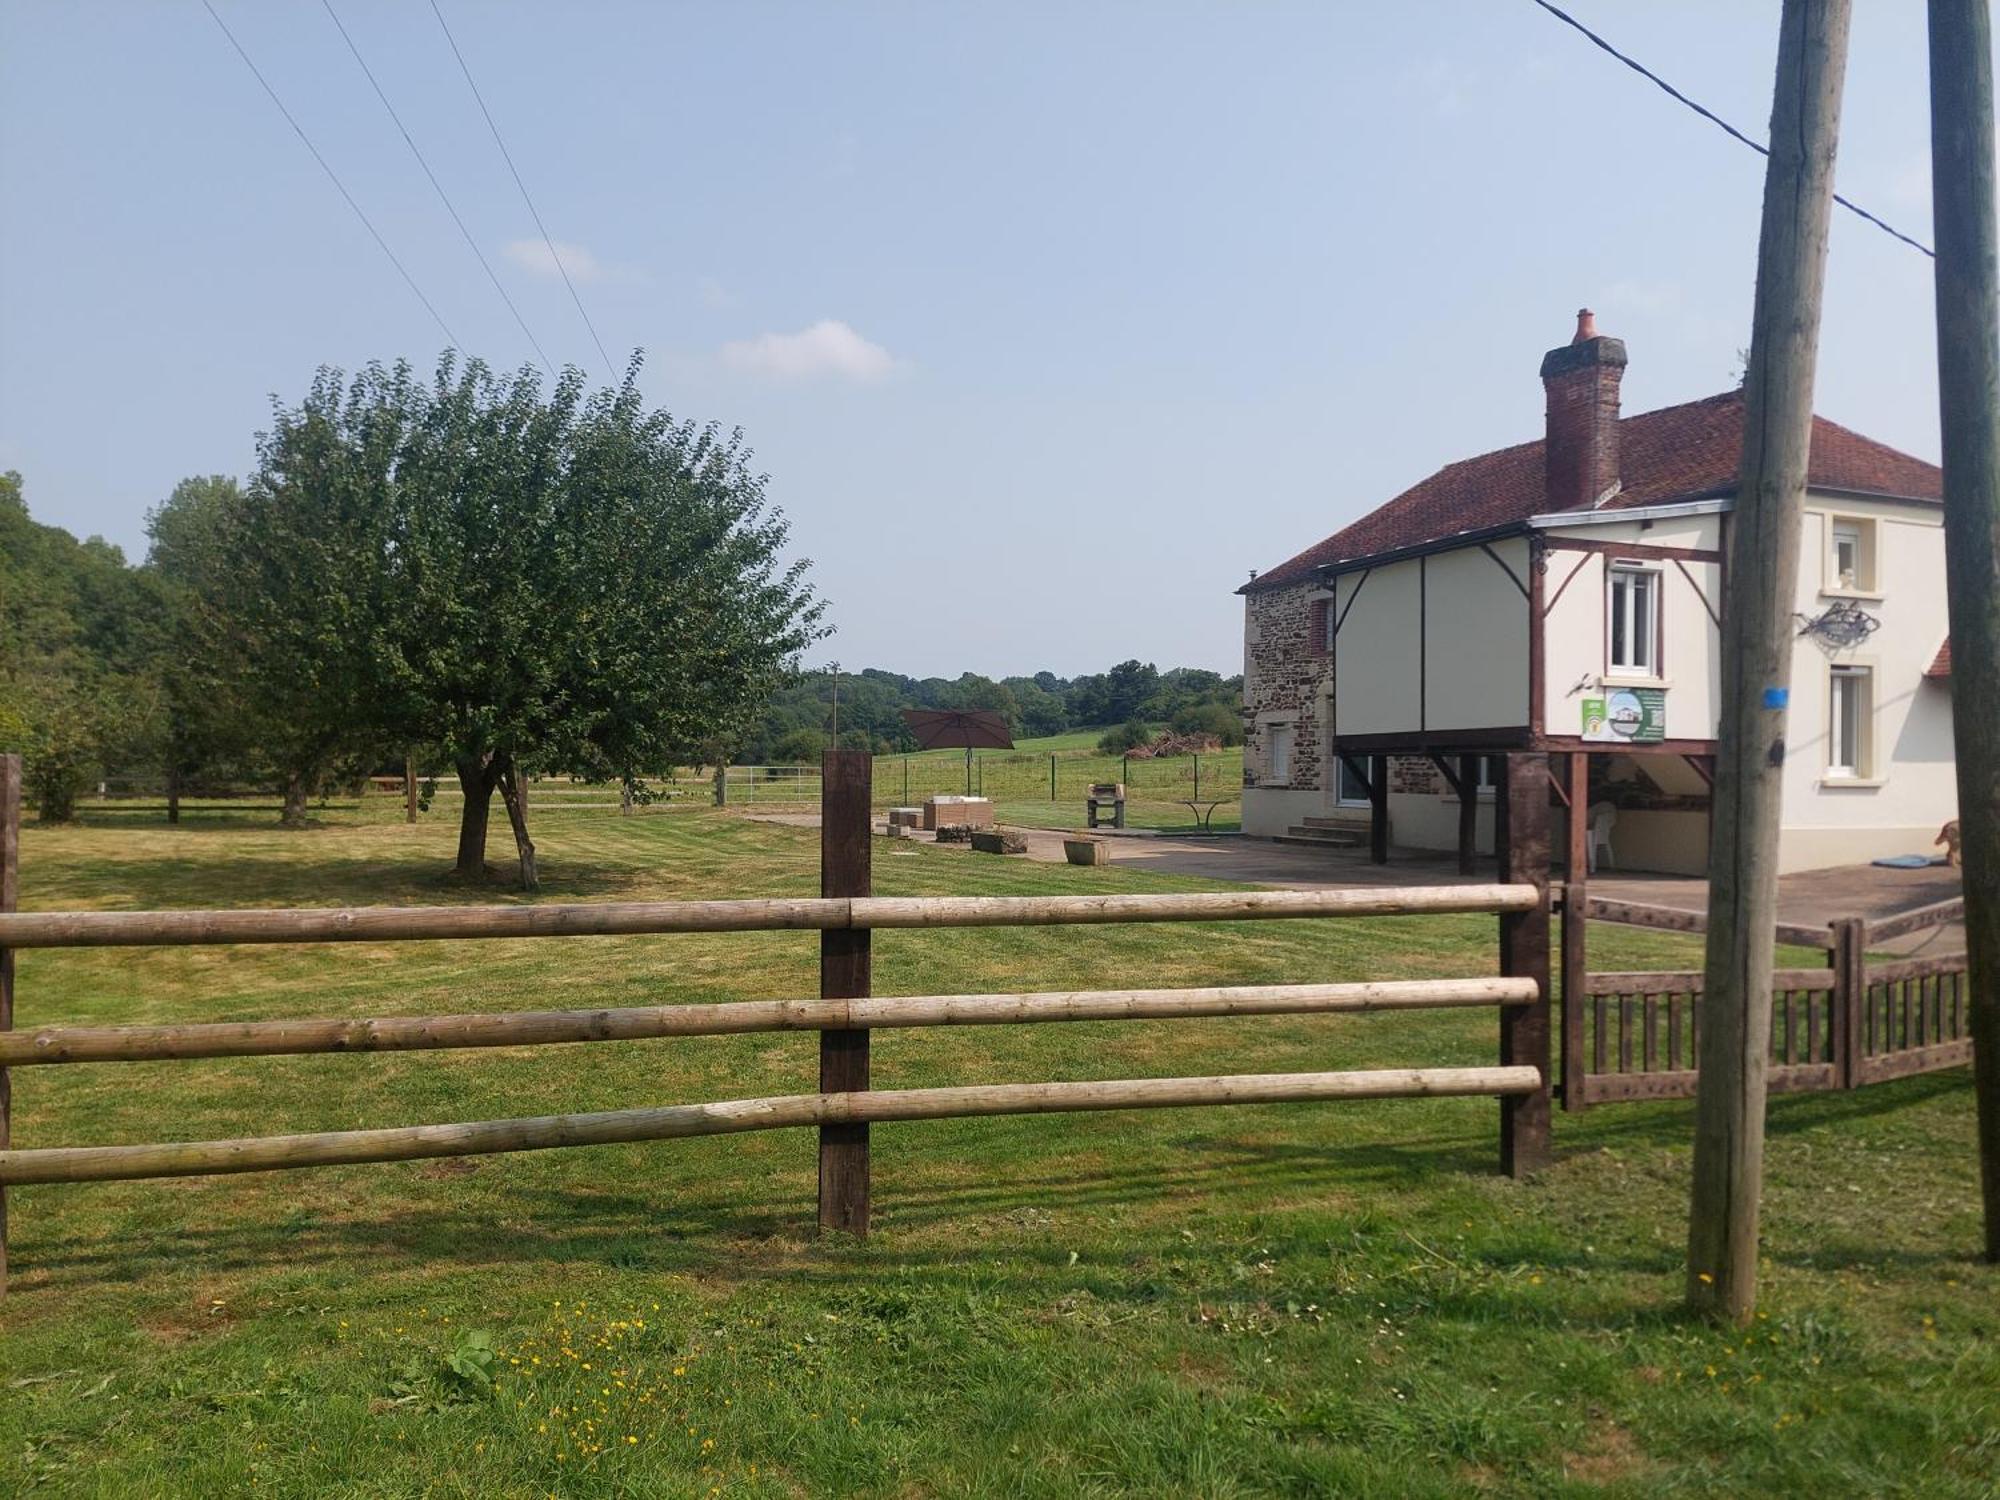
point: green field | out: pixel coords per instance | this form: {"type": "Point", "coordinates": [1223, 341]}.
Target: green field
{"type": "Point", "coordinates": [1304, 1300]}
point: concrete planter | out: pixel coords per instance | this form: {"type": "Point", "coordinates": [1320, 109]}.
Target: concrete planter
{"type": "Point", "coordinates": [1082, 851]}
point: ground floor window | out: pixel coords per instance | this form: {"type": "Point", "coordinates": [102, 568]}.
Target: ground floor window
{"type": "Point", "coordinates": [1278, 750]}
{"type": "Point", "coordinates": [1350, 789]}
{"type": "Point", "coordinates": [1850, 717]}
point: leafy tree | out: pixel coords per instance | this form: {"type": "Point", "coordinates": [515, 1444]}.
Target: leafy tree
{"type": "Point", "coordinates": [202, 724]}
{"type": "Point", "coordinates": [799, 747]}
{"type": "Point", "coordinates": [71, 688]}
{"type": "Point", "coordinates": [560, 580]}
{"type": "Point", "coordinates": [1127, 736]}
{"type": "Point", "coordinates": [1225, 723]}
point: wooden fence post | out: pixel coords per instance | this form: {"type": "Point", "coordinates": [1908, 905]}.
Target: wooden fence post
{"type": "Point", "coordinates": [1849, 960]}
{"type": "Point", "coordinates": [1575, 943]}
{"type": "Point", "coordinates": [1524, 953]}
{"type": "Point", "coordinates": [844, 854]}
{"type": "Point", "coordinates": [10, 890]}
{"type": "Point", "coordinates": [409, 789]}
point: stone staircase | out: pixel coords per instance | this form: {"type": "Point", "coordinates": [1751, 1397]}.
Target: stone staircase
{"type": "Point", "coordinates": [1337, 832]}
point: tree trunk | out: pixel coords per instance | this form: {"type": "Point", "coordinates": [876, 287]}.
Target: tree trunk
{"type": "Point", "coordinates": [297, 788]}
{"type": "Point", "coordinates": [476, 776]}
{"type": "Point", "coordinates": [515, 795]}
{"type": "Point", "coordinates": [173, 793]}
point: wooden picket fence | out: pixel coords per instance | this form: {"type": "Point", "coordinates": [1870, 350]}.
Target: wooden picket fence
{"type": "Point", "coordinates": [845, 915]}
{"type": "Point", "coordinates": [1854, 1022]}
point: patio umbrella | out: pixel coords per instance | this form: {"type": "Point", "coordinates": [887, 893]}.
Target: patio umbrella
{"type": "Point", "coordinates": [950, 728]}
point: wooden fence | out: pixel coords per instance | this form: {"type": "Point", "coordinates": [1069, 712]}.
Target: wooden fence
{"type": "Point", "coordinates": [1856, 1021]}
{"type": "Point", "coordinates": [845, 915]}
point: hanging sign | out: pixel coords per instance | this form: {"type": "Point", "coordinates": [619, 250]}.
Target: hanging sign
{"type": "Point", "coordinates": [1626, 716]}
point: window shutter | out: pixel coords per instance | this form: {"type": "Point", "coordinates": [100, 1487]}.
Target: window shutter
{"type": "Point", "coordinates": [1319, 607]}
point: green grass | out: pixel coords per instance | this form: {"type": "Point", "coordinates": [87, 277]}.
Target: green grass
{"type": "Point", "coordinates": [1305, 1300]}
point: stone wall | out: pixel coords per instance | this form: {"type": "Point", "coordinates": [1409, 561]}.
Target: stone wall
{"type": "Point", "coordinates": [1285, 668]}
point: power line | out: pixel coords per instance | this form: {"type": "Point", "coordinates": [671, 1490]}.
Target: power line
{"type": "Point", "coordinates": [334, 178]}
{"type": "Point", "coordinates": [1714, 119]}
{"type": "Point", "coordinates": [507, 156]}
{"type": "Point", "coordinates": [470, 242]}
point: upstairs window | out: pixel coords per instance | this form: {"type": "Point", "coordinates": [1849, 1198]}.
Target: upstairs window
{"type": "Point", "coordinates": [1633, 604]}
{"type": "Point", "coordinates": [1850, 555]}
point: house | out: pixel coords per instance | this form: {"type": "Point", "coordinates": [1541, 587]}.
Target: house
{"type": "Point", "coordinates": [1566, 595]}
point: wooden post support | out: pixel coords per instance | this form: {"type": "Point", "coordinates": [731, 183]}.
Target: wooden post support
{"type": "Point", "coordinates": [10, 891]}
{"type": "Point", "coordinates": [409, 789]}
{"type": "Point", "coordinates": [1968, 302]}
{"type": "Point", "coordinates": [1378, 809]}
{"type": "Point", "coordinates": [722, 783]}
{"type": "Point", "coordinates": [1757, 631]}
{"type": "Point", "coordinates": [1468, 815]}
{"type": "Point", "coordinates": [845, 794]}
{"type": "Point", "coordinates": [1849, 962]}
{"type": "Point", "coordinates": [1524, 953]}
{"type": "Point", "coordinates": [1576, 926]}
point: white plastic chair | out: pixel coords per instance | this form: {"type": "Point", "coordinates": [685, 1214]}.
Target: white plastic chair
{"type": "Point", "coordinates": [1602, 817]}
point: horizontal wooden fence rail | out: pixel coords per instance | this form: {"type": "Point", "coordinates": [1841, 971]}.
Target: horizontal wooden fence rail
{"type": "Point", "coordinates": [374, 924]}
{"type": "Point", "coordinates": [407, 1143]}
{"type": "Point", "coordinates": [844, 915]}
{"type": "Point", "coordinates": [81, 1044]}
{"type": "Point", "coordinates": [1680, 919]}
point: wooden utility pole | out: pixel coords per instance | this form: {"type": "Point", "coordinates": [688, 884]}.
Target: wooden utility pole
{"type": "Point", "coordinates": [1763, 562]}
{"type": "Point", "coordinates": [1968, 316]}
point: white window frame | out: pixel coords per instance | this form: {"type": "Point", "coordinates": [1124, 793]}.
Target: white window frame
{"type": "Point", "coordinates": [1282, 734]}
{"type": "Point", "coordinates": [1866, 533]}
{"type": "Point", "coordinates": [1340, 775]}
{"type": "Point", "coordinates": [1626, 614]}
{"type": "Point", "coordinates": [1853, 763]}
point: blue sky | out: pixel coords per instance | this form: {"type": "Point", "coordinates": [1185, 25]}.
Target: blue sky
{"type": "Point", "coordinates": [1048, 323]}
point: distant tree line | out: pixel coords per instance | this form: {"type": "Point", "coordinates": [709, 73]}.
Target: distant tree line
{"type": "Point", "coordinates": [1128, 700]}
{"type": "Point", "coordinates": [470, 568]}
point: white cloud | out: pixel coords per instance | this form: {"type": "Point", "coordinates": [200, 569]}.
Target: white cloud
{"type": "Point", "coordinates": [828, 348]}
{"type": "Point", "coordinates": [533, 255]}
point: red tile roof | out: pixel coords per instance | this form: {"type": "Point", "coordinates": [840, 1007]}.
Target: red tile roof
{"type": "Point", "coordinates": [1941, 667]}
{"type": "Point", "coordinates": [1676, 453]}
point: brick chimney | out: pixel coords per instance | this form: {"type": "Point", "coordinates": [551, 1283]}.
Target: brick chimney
{"type": "Point", "coordinates": [1581, 378]}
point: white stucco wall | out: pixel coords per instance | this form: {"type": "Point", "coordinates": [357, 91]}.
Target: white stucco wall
{"type": "Point", "coordinates": [1576, 644]}
{"type": "Point", "coordinates": [1911, 793]}
{"type": "Point", "coordinates": [1377, 667]}
{"type": "Point", "coordinates": [1476, 637]}
{"type": "Point", "coordinates": [1433, 643]}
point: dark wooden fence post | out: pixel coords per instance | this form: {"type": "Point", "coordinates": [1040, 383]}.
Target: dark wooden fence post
{"type": "Point", "coordinates": [1524, 953]}
{"type": "Point", "coordinates": [845, 794]}
{"type": "Point", "coordinates": [1849, 961]}
{"type": "Point", "coordinates": [10, 890]}
{"type": "Point", "coordinates": [1576, 926]}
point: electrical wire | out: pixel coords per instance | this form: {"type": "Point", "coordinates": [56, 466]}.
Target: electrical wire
{"type": "Point", "coordinates": [1714, 119]}
{"type": "Point", "coordinates": [444, 198]}
{"type": "Point", "coordinates": [525, 197]}
{"type": "Point", "coordinates": [334, 178]}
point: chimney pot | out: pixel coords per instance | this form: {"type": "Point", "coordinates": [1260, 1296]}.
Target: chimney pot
{"type": "Point", "coordinates": [1586, 326]}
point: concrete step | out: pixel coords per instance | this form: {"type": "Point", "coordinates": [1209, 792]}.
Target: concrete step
{"type": "Point", "coordinates": [1346, 821]}
{"type": "Point", "coordinates": [1324, 838]}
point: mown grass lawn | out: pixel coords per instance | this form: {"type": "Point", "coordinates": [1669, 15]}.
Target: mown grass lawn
{"type": "Point", "coordinates": [1307, 1299]}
